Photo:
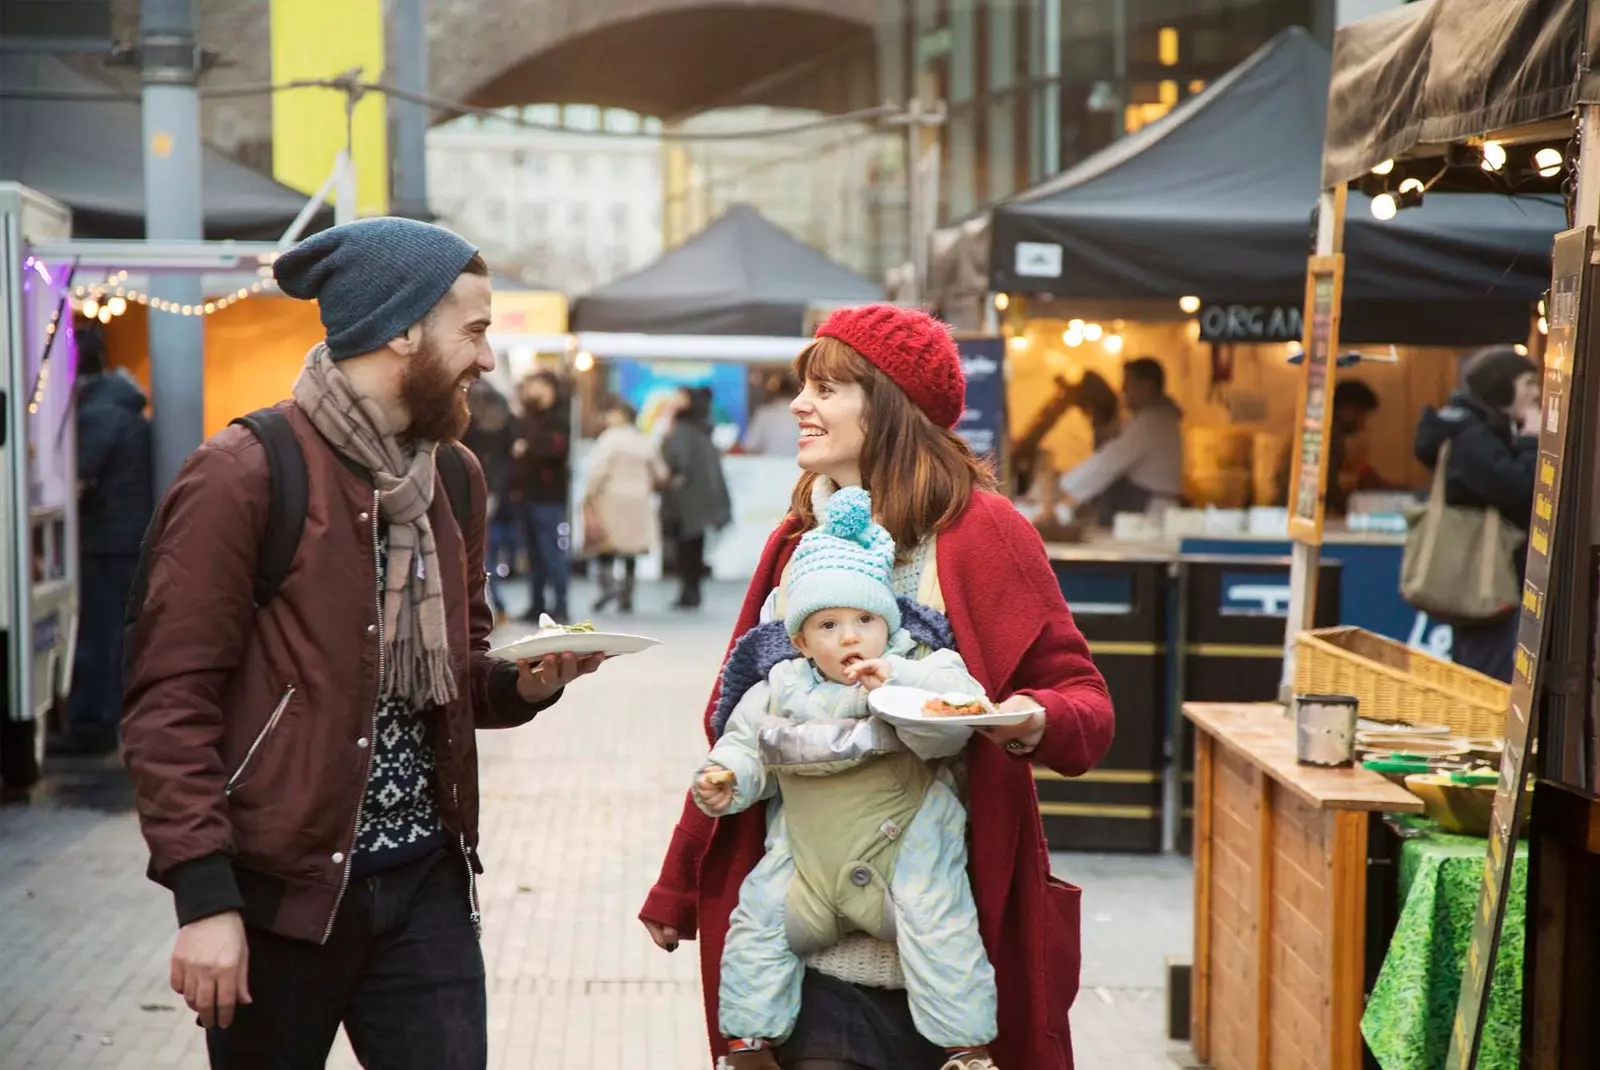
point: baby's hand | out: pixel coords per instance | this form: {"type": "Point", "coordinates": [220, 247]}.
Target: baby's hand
{"type": "Point", "coordinates": [714, 788]}
{"type": "Point", "coordinates": [870, 674]}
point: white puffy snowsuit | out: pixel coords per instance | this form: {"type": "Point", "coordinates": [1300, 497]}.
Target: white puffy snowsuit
{"type": "Point", "coordinates": [860, 837]}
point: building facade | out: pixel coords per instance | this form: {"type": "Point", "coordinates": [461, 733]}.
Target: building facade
{"type": "Point", "coordinates": [569, 209]}
{"type": "Point", "coordinates": [1033, 86]}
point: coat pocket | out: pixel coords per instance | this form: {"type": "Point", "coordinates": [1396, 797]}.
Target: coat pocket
{"type": "Point", "coordinates": [1063, 949]}
{"type": "Point", "coordinates": [242, 773]}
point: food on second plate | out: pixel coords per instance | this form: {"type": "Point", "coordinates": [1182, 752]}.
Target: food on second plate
{"type": "Point", "coordinates": [956, 706]}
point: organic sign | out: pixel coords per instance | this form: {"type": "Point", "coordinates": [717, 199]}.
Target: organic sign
{"type": "Point", "coordinates": [1324, 288]}
{"type": "Point", "coordinates": [1250, 323]}
{"type": "Point", "coordinates": [1539, 597]}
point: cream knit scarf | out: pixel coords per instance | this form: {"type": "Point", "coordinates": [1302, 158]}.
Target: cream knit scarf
{"type": "Point", "coordinates": [413, 597]}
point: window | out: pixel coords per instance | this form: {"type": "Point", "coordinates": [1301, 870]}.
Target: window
{"type": "Point", "coordinates": [1044, 148]}
{"type": "Point", "coordinates": [580, 167]}
{"type": "Point", "coordinates": [578, 215]}
{"type": "Point", "coordinates": [619, 216]}
{"type": "Point", "coordinates": [963, 164]}
{"type": "Point", "coordinates": [1002, 46]}
{"type": "Point", "coordinates": [1002, 148]}
{"type": "Point", "coordinates": [963, 50]}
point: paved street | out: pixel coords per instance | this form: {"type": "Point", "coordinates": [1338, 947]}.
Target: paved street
{"type": "Point", "coordinates": [577, 809]}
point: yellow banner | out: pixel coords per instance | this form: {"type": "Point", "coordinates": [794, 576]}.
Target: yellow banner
{"type": "Point", "coordinates": [529, 312]}
{"type": "Point", "coordinates": [318, 39]}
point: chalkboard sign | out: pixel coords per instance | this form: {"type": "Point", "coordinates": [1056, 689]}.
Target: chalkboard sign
{"type": "Point", "coordinates": [983, 421]}
{"type": "Point", "coordinates": [1541, 599]}
{"type": "Point", "coordinates": [1324, 289]}
{"type": "Point", "coordinates": [1243, 322]}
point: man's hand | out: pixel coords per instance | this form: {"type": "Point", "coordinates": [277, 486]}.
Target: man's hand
{"type": "Point", "coordinates": [211, 967]}
{"type": "Point", "coordinates": [870, 674]}
{"type": "Point", "coordinates": [539, 678]}
{"type": "Point", "coordinates": [665, 936]}
{"type": "Point", "coordinates": [714, 788]}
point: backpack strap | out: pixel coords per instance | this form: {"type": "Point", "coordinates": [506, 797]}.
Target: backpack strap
{"type": "Point", "coordinates": [452, 469]}
{"type": "Point", "coordinates": [286, 515]}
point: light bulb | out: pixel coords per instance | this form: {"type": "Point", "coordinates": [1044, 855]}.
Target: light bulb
{"type": "Point", "coordinates": [583, 361]}
{"type": "Point", "coordinates": [1412, 185]}
{"type": "Point", "coordinates": [117, 305]}
{"type": "Point", "coordinates": [1092, 332]}
{"type": "Point", "coordinates": [91, 308]}
{"type": "Point", "coordinates": [1520, 349]}
{"type": "Point", "coordinates": [1018, 343]}
{"type": "Point", "coordinates": [1544, 325]}
{"type": "Point", "coordinates": [1072, 338]}
{"type": "Point", "coordinates": [1074, 325]}
{"type": "Point", "coordinates": [1548, 161]}
{"type": "Point", "coordinates": [104, 316]}
{"type": "Point", "coordinates": [1002, 301]}
{"type": "Point", "coordinates": [1383, 168]}
{"type": "Point", "coordinates": [1113, 343]}
{"type": "Point", "coordinates": [242, 294]}
{"type": "Point", "coordinates": [1384, 206]}
{"type": "Point", "coordinates": [1189, 305]}
{"type": "Point", "coordinates": [1494, 156]}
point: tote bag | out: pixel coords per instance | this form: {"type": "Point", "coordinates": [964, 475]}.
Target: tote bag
{"type": "Point", "coordinates": [1460, 562]}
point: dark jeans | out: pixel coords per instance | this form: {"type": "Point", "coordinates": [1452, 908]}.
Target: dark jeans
{"type": "Point", "coordinates": [402, 971]}
{"type": "Point", "coordinates": [1488, 648]}
{"type": "Point", "coordinates": [94, 707]}
{"type": "Point", "coordinates": [501, 553]}
{"type": "Point", "coordinates": [691, 566]}
{"type": "Point", "coordinates": [846, 1026]}
{"type": "Point", "coordinates": [544, 527]}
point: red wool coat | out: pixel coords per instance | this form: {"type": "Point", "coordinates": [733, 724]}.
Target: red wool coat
{"type": "Point", "coordinates": [1016, 635]}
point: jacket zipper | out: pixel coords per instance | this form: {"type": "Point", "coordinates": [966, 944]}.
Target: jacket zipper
{"type": "Point", "coordinates": [472, 878]}
{"type": "Point", "coordinates": [272, 722]}
{"type": "Point", "coordinates": [372, 728]}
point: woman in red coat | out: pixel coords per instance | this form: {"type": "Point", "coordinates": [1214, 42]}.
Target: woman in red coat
{"type": "Point", "coordinates": [882, 388]}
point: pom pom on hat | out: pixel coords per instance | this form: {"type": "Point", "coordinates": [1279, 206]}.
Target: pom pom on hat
{"type": "Point", "coordinates": [849, 513]}
{"type": "Point", "coordinates": [913, 349]}
{"type": "Point", "coordinates": [847, 563]}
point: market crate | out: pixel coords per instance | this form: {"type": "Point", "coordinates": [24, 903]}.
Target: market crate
{"type": "Point", "coordinates": [1397, 684]}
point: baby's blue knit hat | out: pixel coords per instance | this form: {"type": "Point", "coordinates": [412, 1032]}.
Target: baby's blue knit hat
{"type": "Point", "coordinates": [847, 563]}
{"type": "Point", "coordinates": [373, 278]}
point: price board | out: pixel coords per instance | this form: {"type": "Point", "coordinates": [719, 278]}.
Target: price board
{"type": "Point", "coordinates": [1324, 291]}
{"type": "Point", "coordinates": [1541, 598]}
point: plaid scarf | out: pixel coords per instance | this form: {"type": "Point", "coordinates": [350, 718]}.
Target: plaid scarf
{"type": "Point", "coordinates": [413, 597]}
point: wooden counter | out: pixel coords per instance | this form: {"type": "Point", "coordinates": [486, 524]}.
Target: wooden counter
{"type": "Point", "coordinates": [1280, 894]}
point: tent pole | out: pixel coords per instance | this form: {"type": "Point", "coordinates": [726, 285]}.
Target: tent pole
{"type": "Point", "coordinates": [1586, 201]}
{"type": "Point", "coordinates": [1306, 559]}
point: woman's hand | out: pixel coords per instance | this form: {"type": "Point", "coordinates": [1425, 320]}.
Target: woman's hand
{"type": "Point", "coordinates": [665, 936]}
{"type": "Point", "coordinates": [713, 789]}
{"type": "Point", "coordinates": [1019, 739]}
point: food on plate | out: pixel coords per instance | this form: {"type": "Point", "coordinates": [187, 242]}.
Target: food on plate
{"type": "Point", "coordinates": [955, 705]}
{"type": "Point", "coordinates": [549, 626]}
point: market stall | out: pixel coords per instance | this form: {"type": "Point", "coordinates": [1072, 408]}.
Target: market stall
{"type": "Point", "coordinates": [1464, 97]}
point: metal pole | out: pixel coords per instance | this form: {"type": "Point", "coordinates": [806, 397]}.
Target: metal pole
{"type": "Point", "coordinates": [1586, 200]}
{"type": "Point", "coordinates": [170, 64]}
{"type": "Point", "coordinates": [408, 69]}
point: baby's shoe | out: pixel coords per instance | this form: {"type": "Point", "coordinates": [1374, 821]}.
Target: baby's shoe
{"type": "Point", "coordinates": [970, 1060]}
{"type": "Point", "coordinates": [746, 1055]}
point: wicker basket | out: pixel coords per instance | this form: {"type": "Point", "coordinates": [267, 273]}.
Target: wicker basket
{"type": "Point", "coordinates": [1396, 684]}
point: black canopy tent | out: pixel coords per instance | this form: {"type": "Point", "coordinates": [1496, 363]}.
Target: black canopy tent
{"type": "Point", "coordinates": [1418, 80]}
{"type": "Point", "coordinates": [88, 154]}
{"type": "Point", "coordinates": [1217, 200]}
{"type": "Point", "coordinates": [742, 275]}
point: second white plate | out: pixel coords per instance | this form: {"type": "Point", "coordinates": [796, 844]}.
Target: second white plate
{"type": "Point", "coordinates": [903, 705]}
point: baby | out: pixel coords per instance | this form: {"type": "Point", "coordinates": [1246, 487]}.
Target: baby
{"type": "Point", "coordinates": [861, 836]}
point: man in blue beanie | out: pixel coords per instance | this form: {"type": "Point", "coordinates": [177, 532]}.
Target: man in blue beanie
{"type": "Point", "coordinates": [303, 758]}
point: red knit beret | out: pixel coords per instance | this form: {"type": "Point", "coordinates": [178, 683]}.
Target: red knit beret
{"type": "Point", "coordinates": [910, 347]}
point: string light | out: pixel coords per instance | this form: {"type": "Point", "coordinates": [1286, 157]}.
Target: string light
{"type": "Point", "coordinates": [110, 299]}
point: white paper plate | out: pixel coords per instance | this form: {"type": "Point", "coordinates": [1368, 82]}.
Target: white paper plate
{"type": "Point", "coordinates": [903, 705]}
{"type": "Point", "coordinates": [610, 644]}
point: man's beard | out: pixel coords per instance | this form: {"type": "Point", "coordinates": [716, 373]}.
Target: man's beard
{"type": "Point", "coordinates": [434, 397]}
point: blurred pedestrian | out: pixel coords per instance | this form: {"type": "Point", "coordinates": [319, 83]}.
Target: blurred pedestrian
{"type": "Point", "coordinates": [115, 499]}
{"type": "Point", "coordinates": [696, 496]}
{"type": "Point", "coordinates": [491, 437]}
{"type": "Point", "coordinates": [305, 769]}
{"type": "Point", "coordinates": [619, 521]}
{"type": "Point", "coordinates": [773, 429]}
{"type": "Point", "coordinates": [1492, 428]}
{"type": "Point", "coordinates": [540, 487]}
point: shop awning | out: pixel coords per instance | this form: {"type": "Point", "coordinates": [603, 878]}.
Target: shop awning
{"type": "Point", "coordinates": [89, 156]}
{"type": "Point", "coordinates": [742, 275]}
{"type": "Point", "coordinates": [1439, 71]}
{"type": "Point", "coordinates": [1217, 199]}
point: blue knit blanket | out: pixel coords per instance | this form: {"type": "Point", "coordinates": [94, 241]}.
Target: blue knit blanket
{"type": "Point", "coordinates": [765, 645]}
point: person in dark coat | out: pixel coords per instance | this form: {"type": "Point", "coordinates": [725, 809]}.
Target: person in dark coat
{"type": "Point", "coordinates": [116, 497]}
{"type": "Point", "coordinates": [491, 437]}
{"type": "Point", "coordinates": [540, 484]}
{"type": "Point", "coordinates": [695, 501]}
{"type": "Point", "coordinates": [1491, 425]}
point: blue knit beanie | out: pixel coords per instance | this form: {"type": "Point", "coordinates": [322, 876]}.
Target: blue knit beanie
{"type": "Point", "coordinates": [373, 278]}
{"type": "Point", "coordinates": [847, 563]}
